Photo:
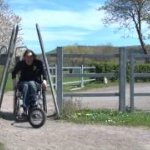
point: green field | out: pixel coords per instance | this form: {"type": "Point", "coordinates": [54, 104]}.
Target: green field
{"type": "Point", "coordinates": [9, 81]}
{"type": "Point", "coordinates": [9, 85]}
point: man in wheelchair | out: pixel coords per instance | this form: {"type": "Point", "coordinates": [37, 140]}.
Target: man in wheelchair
{"type": "Point", "coordinates": [32, 77]}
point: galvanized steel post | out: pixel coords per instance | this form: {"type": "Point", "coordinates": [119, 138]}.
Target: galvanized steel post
{"type": "Point", "coordinates": [122, 79]}
{"type": "Point", "coordinates": [132, 80]}
{"type": "Point", "coordinates": [11, 50]}
{"type": "Point", "coordinates": [48, 70]}
{"type": "Point", "coordinates": [82, 78]}
{"type": "Point", "coordinates": [60, 78]}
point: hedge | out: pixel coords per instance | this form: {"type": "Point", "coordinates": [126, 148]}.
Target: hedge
{"type": "Point", "coordinates": [111, 67]}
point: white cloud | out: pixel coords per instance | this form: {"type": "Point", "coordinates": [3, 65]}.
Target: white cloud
{"type": "Point", "coordinates": [51, 36]}
{"type": "Point", "coordinates": [90, 19]}
{"type": "Point", "coordinates": [73, 25]}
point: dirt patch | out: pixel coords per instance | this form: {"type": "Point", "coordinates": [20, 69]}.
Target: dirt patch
{"type": "Point", "coordinates": [59, 135]}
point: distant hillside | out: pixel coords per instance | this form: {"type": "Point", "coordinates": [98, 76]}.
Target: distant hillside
{"type": "Point", "coordinates": [98, 49]}
{"type": "Point", "coordinates": [91, 50]}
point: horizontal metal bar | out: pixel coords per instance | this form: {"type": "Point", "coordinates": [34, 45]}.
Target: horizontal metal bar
{"type": "Point", "coordinates": [141, 94]}
{"type": "Point", "coordinates": [98, 56]}
{"type": "Point", "coordinates": [141, 56]}
{"type": "Point", "coordinates": [77, 67]}
{"type": "Point", "coordinates": [91, 94]}
{"type": "Point", "coordinates": [96, 75]}
{"type": "Point", "coordinates": [52, 55]}
{"type": "Point", "coordinates": [77, 82]}
{"type": "Point", "coordinates": [53, 76]}
{"type": "Point", "coordinates": [142, 75]}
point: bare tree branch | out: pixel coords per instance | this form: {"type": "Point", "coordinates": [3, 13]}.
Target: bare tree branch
{"type": "Point", "coordinates": [127, 13]}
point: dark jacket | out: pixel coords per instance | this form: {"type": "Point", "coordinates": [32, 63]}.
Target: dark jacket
{"type": "Point", "coordinates": [35, 72]}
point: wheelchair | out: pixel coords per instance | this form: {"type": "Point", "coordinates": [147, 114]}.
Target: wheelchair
{"type": "Point", "coordinates": [35, 115]}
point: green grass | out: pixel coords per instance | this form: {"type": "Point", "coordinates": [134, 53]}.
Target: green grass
{"type": "Point", "coordinates": [9, 85]}
{"type": "Point", "coordinates": [90, 85]}
{"type": "Point", "coordinates": [109, 117]}
{"type": "Point", "coordinates": [9, 81]}
{"type": "Point", "coordinates": [2, 146]}
{"type": "Point", "coordinates": [98, 84]}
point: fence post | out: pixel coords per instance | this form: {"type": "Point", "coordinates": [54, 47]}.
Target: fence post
{"type": "Point", "coordinates": [122, 79]}
{"type": "Point", "coordinates": [60, 78]}
{"type": "Point", "coordinates": [56, 77]}
{"type": "Point", "coordinates": [132, 80]}
{"type": "Point", "coordinates": [82, 78]}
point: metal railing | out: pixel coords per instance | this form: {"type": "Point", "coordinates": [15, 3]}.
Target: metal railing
{"type": "Point", "coordinates": [134, 75]}
{"type": "Point", "coordinates": [122, 77]}
{"type": "Point", "coordinates": [80, 69]}
{"type": "Point", "coordinates": [10, 51]}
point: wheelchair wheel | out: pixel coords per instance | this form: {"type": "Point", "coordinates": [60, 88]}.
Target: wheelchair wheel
{"type": "Point", "coordinates": [36, 117]}
{"type": "Point", "coordinates": [44, 101]}
{"type": "Point", "coordinates": [16, 104]}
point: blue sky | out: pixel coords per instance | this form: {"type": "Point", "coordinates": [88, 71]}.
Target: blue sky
{"type": "Point", "coordinates": [67, 22]}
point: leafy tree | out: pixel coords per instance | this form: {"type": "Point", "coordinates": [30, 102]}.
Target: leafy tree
{"type": "Point", "coordinates": [128, 14]}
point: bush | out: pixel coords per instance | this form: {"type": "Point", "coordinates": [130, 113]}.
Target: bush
{"type": "Point", "coordinates": [112, 67]}
{"type": "Point", "coordinates": [107, 67]}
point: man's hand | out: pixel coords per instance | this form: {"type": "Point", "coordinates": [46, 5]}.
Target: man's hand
{"type": "Point", "coordinates": [44, 84]}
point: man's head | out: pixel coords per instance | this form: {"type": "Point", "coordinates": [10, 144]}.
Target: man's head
{"type": "Point", "coordinates": [29, 56]}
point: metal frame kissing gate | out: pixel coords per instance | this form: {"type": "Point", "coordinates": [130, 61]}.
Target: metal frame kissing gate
{"type": "Point", "coordinates": [10, 54]}
{"type": "Point", "coordinates": [121, 94]}
{"type": "Point", "coordinates": [58, 93]}
{"type": "Point", "coordinates": [134, 75]}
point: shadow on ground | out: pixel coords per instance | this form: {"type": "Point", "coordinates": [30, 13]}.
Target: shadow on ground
{"type": "Point", "coordinates": [7, 116]}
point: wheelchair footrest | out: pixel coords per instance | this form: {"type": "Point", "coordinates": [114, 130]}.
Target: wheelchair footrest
{"type": "Point", "coordinates": [22, 117]}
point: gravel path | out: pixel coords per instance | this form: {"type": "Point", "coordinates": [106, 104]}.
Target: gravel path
{"type": "Point", "coordinates": [59, 135]}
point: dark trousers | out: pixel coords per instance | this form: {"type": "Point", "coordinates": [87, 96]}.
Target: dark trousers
{"type": "Point", "coordinates": [29, 90]}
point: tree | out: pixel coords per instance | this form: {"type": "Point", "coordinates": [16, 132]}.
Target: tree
{"type": "Point", "coordinates": [128, 13]}
{"type": "Point", "coordinates": [7, 20]}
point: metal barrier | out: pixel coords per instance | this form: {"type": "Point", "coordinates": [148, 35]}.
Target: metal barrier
{"type": "Point", "coordinates": [81, 69]}
{"type": "Point", "coordinates": [134, 75]}
{"type": "Point", "coordinates": [48, 71]}
{"type": "Point", "coordinates": [122, 77]}
{"type": "Point", "coordinates": [11, 49]}
{"type": "Point", "coordinates": [59, 95]}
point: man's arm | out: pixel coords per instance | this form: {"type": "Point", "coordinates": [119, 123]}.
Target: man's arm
{"type": "Point", "coordinates": [14, 73]}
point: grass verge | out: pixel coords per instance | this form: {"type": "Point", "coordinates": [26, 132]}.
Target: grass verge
{"type": "Point", "coordinates": [2, 146]}
{"type": "Point", "coordinates": [109, 117]}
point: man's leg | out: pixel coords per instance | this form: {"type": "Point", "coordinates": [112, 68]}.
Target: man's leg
{"type": "Point", "coordinates": [24, 88]}
{"type": "Point", "coordinates": [33, 88]}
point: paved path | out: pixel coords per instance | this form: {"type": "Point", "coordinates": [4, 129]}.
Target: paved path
{"type": "Point", "coordinates": [142, 103]}
{"type": "Point", "coordinates": [59, 135]}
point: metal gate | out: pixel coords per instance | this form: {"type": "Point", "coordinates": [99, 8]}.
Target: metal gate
{"type": "Point", "coordinates": [121, 94]}
{"type": "Point", "coordinates": [133, 75]}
